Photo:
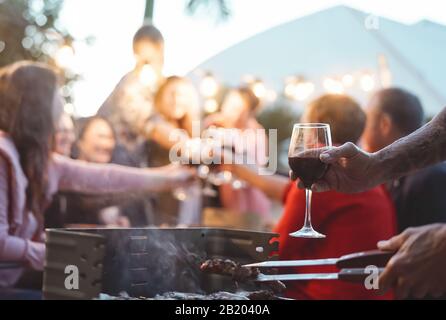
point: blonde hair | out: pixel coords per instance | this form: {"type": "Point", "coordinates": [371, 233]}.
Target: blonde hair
{"type": "Point", "coordinates": [342, 113]}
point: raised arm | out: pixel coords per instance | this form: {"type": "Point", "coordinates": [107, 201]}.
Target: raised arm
{"type": "Point", "coordinates": [79, 176]}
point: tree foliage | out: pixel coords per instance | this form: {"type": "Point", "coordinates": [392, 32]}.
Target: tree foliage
{"type": "Point", "coordinates": [29, 29]}
{"type": "Point", "coordinates": [222, 6]}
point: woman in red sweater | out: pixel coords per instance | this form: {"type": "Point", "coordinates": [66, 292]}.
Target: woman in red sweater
{"type": "Point", "coordinates": [351, 222]}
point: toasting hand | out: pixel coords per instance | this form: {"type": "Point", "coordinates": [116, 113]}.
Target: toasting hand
{"type": "Point", "coordinates": [177, 175]}
{"type": "Point", "coordinates": [350, 170]}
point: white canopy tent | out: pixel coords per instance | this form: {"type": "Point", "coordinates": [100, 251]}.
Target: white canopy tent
{"type": "Point", "coordinates": [335, 42]}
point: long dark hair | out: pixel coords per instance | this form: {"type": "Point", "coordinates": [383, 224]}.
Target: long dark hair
{"type": "Point", "coordinates": [27, 92]}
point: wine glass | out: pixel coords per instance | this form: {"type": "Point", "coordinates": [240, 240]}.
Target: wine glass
{"type": "Point", "coordinates": [308, 141]}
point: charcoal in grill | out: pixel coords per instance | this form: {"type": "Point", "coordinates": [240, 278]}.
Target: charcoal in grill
{"type": "Point", "coordinates": [221, 295]}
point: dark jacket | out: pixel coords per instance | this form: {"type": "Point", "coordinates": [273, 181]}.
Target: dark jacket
{"type": "Point", "coordinates": [420, 198]}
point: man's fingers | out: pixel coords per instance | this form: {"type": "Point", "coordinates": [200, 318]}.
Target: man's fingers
{"type": "Point", "coordinates": [437, 292]}
{"type": "Point", "coordinates": [347, 150]}
{"type": "Point", "coordinates": [387, 280]}
{"type": "Point", "coordinates": [389, 277]}
{"type": "Point", "coordinates": [393, 243]}
{"type": "Point", "coordinates": [403, 287]}
{"type": "Point", "coordinates": [420, 291]}
{"type": "Point", "coordinates": [327, 182]}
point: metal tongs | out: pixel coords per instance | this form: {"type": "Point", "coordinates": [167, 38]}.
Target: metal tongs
{"type": "Point", "coordinates": [352, 267]}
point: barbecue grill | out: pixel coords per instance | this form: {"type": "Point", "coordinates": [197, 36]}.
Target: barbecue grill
{"type": "Point", "coordinates": [148, 261]}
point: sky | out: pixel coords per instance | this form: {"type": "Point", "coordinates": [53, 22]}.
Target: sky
{"type": "Point", "coordinates": [190, 40]}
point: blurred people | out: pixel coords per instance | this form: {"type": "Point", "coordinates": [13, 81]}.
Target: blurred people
{"type": "Point", "coordinates": [96, 141]}
{"type": "Point", "coordinates": [177, 109]}
{"type": "Point", "coordinates": [30, 173]}
{"type": "Point", "coordinates": [65, 135]}
{"type": "Point", "coordinates": [238, 112]}
{"type": "Point", "coordinates": [420, 198]}
{"type": "Point", "coordinates": [131, 103]}
{"type": "Point", "coordinates": [64, 139]}
{"type": "Point", "coordinates": [351, 222]}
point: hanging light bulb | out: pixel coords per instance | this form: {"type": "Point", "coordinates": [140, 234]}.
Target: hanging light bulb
{"type": "Point", "coordinates": [333, 86]}
{"type": "Point", "coordinates": [297, 88]}
{"type": "Point", "coordinates": [348, 80]}
{"type": "Point", "coordinates": [210, 106]}
{"type": "Point", "coordinates": [367, 82]}
{"type": "Point", "coordinates": [69, 108]}
{"type": "Point", "coordinates": [289, 90]}
{"type": "Point", "coordinates": [271, 95]}
{"type": "Point", "coordinates": [259, 89]}
{"type": "Point", "coordinates": [64, 57]}
{"type": "Point", "coordinates": [209, 86]}
{"type": "Point", "coordinates": [302, 90]}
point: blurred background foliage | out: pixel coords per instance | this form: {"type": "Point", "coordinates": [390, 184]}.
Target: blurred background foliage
{"type": "Point", "coordinates": [30, 30]}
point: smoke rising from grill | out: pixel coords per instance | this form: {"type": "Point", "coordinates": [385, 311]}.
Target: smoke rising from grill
{"type": "Point", "coordinates": [148, 263]}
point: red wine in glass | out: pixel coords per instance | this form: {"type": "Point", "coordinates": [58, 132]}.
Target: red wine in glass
{"type": "Point", "coordinates": [309, 168]}
{"type": "Point", "coordinates": [308, 141]}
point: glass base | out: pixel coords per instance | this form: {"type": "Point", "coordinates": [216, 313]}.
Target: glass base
{"type": "Point", "coordinates": [307, 232]}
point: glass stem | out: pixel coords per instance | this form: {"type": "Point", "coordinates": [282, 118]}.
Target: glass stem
{"type": "Point", "coordinates": [307, 222]}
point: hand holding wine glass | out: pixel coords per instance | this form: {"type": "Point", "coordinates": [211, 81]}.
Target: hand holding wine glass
{"type": "Point", "coordinates": [350, 170]}
{"type": "Point", "coordinates": [308, 141]}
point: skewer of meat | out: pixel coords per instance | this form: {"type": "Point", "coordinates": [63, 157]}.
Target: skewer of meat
{"type": "Point", "coordinates": [238, 272]}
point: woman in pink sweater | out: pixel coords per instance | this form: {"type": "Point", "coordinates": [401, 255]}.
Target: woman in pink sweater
{"type": "Point", "coordinates": [30, 173]}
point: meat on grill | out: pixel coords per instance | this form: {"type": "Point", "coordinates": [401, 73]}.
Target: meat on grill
{"type": "Point", "coordinates": [230, 268]}
{"type": "Point", "coordinates": [239, 273]}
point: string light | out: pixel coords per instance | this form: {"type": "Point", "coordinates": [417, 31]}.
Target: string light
{"type": "Point", "coordinates": [259, 89]}
{"type": "Point", "coordinates": [348, 80]}
{"type": "Point", "coordinates": [333, 86]}
{"type": "Point", "coordinates": [69, 108]}
{"type": "Point", "coordinates": [298, 89]}
{"type": "Point", "coordinates": [64, 57]}
{"type": "Point", "coordinates": [367, 82]}
{"type": "Point", "coordinates": [271, 95]}
{"type": "Point", "coordinates": [210, 105]}
{"type": "Point", "coordinates": [303, 90]}
{"type": "Point", "coordinates": [209, 86]}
